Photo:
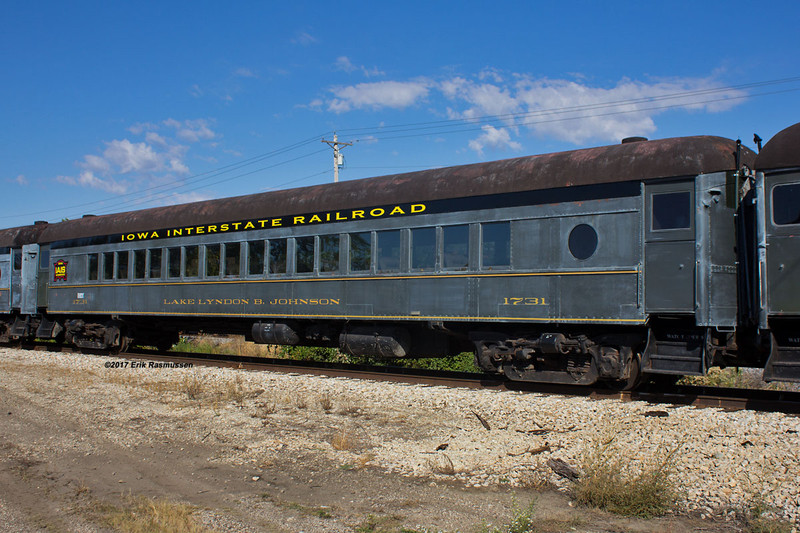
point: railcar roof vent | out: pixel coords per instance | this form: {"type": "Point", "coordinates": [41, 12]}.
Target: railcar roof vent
{"type": "Point", "coordinates": [627, 140]}
{"type": "Point", "coordinates": [39, 222]}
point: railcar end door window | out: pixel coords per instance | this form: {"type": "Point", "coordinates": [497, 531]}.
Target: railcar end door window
{"type": "Point", "coordinates": [786, 204]}
{"type": "Point", "coordinates": [672, 210]}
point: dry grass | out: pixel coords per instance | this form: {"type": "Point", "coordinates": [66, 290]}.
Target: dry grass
{"type": "Point", "coordinates": [343, 439]}
{"type": "Point", "coordinates": [326, 402]}
{"type": "Point", "coordinates": [616, 482]}
{"type": "Point", "coordinates": [145, 515]}
{"type": "Point", "coordinates": [737, 378]}
{"type": "Point", "coordinates": [441, 464]}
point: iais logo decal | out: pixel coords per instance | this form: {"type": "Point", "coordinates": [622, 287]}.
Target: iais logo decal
{"type": "Point", "coordinates": [60, 270]}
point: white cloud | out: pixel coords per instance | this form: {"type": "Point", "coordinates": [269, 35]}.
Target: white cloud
{"type": "Point", "coordinates": [392, 94]}
{"type": "Point", "coordinates": [21, 180]}
{"type": "Point", "coordinates": [191, 130]}
{"type": "Point", "coordinates": [160, 156]}
{"type": "Point", "coordinates": [304, 39]}
{"type": "Point", "coordinates": [494, 138]}
{"type": "Point", "coordinates": [128, 157]}
{"type": "Point", "coordinates": [87, 178]}
{"type": "Point", "coordinates": [575, 110]}
{"type": "Point", "coordinates": [344, 64]}
{"type": "Point", "coordinates": [244, 72]}
{"type": "Point", "coordinates": [185, 198]}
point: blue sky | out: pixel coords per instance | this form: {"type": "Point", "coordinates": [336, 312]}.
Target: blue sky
{"type": "Point", "coordinates": [114, 106]}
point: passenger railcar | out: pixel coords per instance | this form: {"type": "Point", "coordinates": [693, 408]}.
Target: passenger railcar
{"type": "Point", "coordinates": [595, 264]}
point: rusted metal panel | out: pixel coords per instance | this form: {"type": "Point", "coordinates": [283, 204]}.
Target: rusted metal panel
{"type": "Point", "coordinates": [782, 151]}
{"type": "Point", "coordinates": [684, 156]}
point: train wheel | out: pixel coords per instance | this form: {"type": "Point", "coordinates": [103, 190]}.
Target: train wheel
{"type": "Point", "coordinates": [633, 380]}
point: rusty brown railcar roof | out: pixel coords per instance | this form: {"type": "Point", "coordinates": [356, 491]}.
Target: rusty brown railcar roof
{"type": "Point", "coordinates": [782, 151]}
{"type": "Point", "coordinates": [681, 156]}
{"type": "Point", "coordinates": [16, 237]}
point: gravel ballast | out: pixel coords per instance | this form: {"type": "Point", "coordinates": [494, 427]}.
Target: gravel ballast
{"type": "Point", "coordinates": [723, 461]}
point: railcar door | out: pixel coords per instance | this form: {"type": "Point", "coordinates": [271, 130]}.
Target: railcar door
{"type": "Point", "coordinates": [5, 281]}
{"type": "Point", "coordinates": [780, 274]}
{"type": "Point", "coordinates": [29, 276]}
{"type": "Point", "coordinates": [783, 245]}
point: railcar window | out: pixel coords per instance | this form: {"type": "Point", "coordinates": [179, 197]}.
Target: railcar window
{"type": "Point", "coordinates": [496, 245]}
{"type": "Point", "coordinates": [93, 270]}
{"type": "Point", "coordinates": [44, 259]}
{"type": "Point", "coordinates": [786, 204]}
{"type": "Point", "coordinates": [122, 264]}
{"type": "Point", "coordinates": [155, 263]}
{"type": "Point", "coordinates": [192, 267]}
{"type": "Point", "coordinates": [304, 254]}
{"type": "Point", "coordinates": [582, 241]}
{"type": "Point", "coordinates": [255, 258]}
{"type": "Point", "coordinates": [174, 262]}
{"type": "Point", "coordinates": [17, 259]}
{"type": "Point", "coordinates": [139, 265]}
{"type": "Point", "coordinates": [455, 247]}
{"type": "Point", "coordinates": [212, 260]}
{"type": "Point", "coordinates": [277, 256]}
{"type": "Point", "coordinates": [360, 252]}
{"type": "Point", "coordinates": [388, 246]}
{"type": "Point", "coordinates": [423, 248]}
{"type": "Point", "coordinates": [672, 210]}
{"type": "Point", "coordinates": [329, 253]}
{"type": "Point", "coordinates": [232, 267]}
{"type": "Point", "coordinates": [108, 265]}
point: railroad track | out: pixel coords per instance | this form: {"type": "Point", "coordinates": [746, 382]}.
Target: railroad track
{"type": "Point", "coordinates": [726, 398]}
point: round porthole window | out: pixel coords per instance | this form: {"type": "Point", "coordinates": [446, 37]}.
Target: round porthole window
{"type": "Point", "coordinates": [582, 241]}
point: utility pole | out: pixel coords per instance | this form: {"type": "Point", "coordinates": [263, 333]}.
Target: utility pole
{"type": "Point", "coordinates": [337, 155]}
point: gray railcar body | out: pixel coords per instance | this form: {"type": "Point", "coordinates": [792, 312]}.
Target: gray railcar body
{"type": "Point", "coordinates": [597, 264]}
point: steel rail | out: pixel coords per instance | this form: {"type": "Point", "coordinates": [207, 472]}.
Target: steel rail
{"type": "Point", "coordinates": [732, 399]}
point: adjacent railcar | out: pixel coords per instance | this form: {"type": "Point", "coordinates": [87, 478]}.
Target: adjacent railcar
{"type": "Point", "coordinates": [776, 201]}
{"type": "Point", "coordinates": [574, 267]}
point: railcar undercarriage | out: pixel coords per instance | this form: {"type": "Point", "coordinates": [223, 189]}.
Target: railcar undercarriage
{"type": "Point", "coordinates": [568, 355]}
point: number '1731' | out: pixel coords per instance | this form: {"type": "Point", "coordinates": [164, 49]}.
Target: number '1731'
{"type": "Point", "coordinates": [524, 301]}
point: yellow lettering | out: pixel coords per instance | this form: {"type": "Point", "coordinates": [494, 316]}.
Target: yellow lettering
{"type": "Point", "coordinates": [130, 237]}
{"type": "Point", "coordinates": [377, 212]}
{"type": "Point", "coordinates": [299, 220]}
{"type": "Point", "coordinates": [276, 222]}
{"type": "Point", "coordinates": [397, 211]}
{"type": "Point", "coordinates": [236, 225]}
{"type": "Point", "coordinates": [263, 222]}
{"type": "Point", "coordinates": [154, 235]}
{"type": "Point", "coordinates": [212, 229]}
{"type": "Point", "coordinates": [249, 225]}
{"type": "Point", "coordinates": [417, 208]}
{"type": "Point", "coordinates": [335, 301]}
{"type": "Point", "coordinates": [142, 235]}
{"type": "Point", "coordinates": [189, 231]}
{"type": "Point", "coordinates": [358, 214]}
{"type": "Point", "coordinates": [314, 218]}
{"type": "Point", "coordinates": [339, 216]}
{"type": "Point", "coordinates": [224, 227]}
{"type": "Point", "coordinates": [200, 230]}
{"type": "Point", "coordinates": [177, 232]}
